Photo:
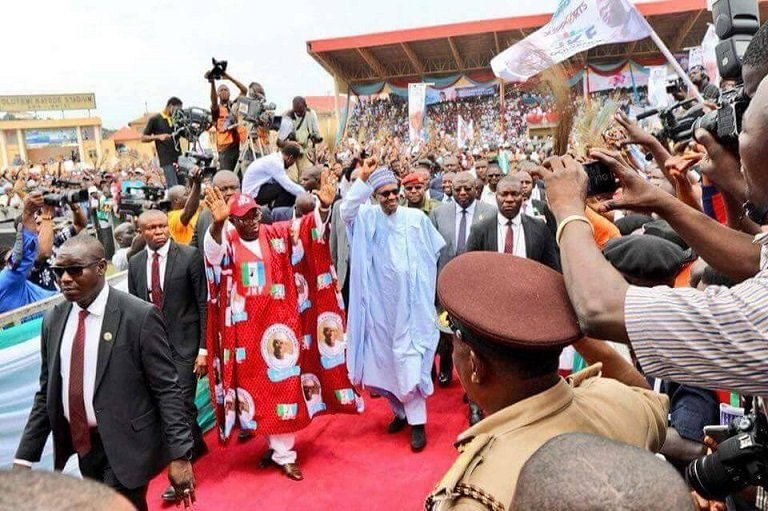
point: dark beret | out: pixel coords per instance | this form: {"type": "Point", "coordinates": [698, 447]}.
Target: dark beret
{"type": "Point", "coordinates": [649, 258]}
{"type": "Point", "coordinates": [662, 229]}
{"type": "Point", "coordinates": [511, 301]}
{"type": "Point", "coordinates": [631, 223]}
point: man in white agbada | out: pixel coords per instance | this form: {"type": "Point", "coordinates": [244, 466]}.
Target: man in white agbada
{"type": "Point", "coordinates": [392, 327]}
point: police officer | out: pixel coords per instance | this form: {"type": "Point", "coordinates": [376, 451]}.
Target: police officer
{"type": "Point", "coordinates": [509, 329]}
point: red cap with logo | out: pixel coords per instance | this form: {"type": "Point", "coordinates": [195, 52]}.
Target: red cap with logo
{"type": "Point", "coordinates": [240, 204]}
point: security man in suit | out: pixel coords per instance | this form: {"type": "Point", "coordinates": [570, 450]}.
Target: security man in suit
{"type": "Point", "coordinates": [510, 369]}
{"type": "Point", "coordinates": [511, 232]}
{"type": "Point", "coordinates": [454, 221]}
{"type": "Point", "coordinates": [172, 277]}
{"type": "Point", "coordinates": [108, 384]}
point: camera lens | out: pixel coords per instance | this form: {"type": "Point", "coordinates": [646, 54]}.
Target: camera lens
{"type": "Point", "coordinates": [711, 478]}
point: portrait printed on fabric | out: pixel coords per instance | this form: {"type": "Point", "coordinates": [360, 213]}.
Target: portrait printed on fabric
{"type": "Point", "coordinates": [330, 334]}
{"type": "Point", "coordinates": [279, 347]}
{"type": "Point", "coordinates": [313, 393]}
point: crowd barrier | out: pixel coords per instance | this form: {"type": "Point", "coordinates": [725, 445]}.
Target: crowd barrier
{"type": "Point", "coordinates": [20, 371]}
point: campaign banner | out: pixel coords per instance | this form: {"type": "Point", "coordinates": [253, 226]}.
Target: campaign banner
{"type": "Point", "coordinates": [417, 126]}
{"type": "Point", "coordinates": [576, 26]}
{"type": "Point", "coordinates": [624, 78]}
{"type": "Point", "coordinates": [465, 132]}
{"type": "Point", "coordinates": [657, 87]}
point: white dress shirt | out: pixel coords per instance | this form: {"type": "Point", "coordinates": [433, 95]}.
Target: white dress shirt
{"type": "Point", "coordinates": [488, 196]}
{"type": "Point", "coordinates": [265, 169]}
{"type": "Point", "coordinates": [528, 209]}
{"type": "Point", "coordinates": [518, 234]}
{"type": "Point", "coordinates": [163, 252]}
{"type": "Point", "coordinates": [93, 322]}
{"type": "Point", "coordinates": [470, 215]}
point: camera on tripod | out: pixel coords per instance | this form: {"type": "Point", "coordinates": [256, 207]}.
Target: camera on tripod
{"type": "Point", "coordinates": [190, 123]}
{"type": "Point", "coordinates": [72, 196]}
{"type": "Point", "coordinates": [258, 112]}
{"type": "Point", "coordinates": [217, 71]}
{"type": "Point", "coordinates": [741, 460]}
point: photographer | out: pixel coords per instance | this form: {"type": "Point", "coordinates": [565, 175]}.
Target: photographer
{"type": "Point", "coordinates": [185, 204]}
{"type": "Point", "coordinates": [15, 289]}
{"type": "Point", "coordinates": [266, 179]}
{"type": "Point", "coordinates": [700, 79]}
{"type": "Point", "coordinates": [715, 338]}
{"type": "Point", "coordinates": [299, 125]}
{"type": "Point", "coordinates": [49, 241]}
{"type": "Point", "coordinates": [160, 130]}
{"type": "Point", "coordinates": [228, 135]}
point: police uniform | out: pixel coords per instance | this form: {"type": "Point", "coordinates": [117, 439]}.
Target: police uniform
{"type": "Point", "coordinates": [493, 451]}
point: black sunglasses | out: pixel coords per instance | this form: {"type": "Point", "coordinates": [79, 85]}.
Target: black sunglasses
{"type": "Point", "coordinates": [387, 193]}
{"type": "Point", "coordinates": [73, 271]}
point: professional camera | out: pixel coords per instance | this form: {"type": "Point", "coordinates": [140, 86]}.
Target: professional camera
{"type": "Point", "coordinates": [72, 196]}
{"type": "Point", "coordinates": [190, 123]}
{"type": "Point", "coordinates": [259, 112]}
{"type": "Point", "coordinates": [190, 159]}
{"type": "Point", "coordinates": [725, 122]}
{"type": "Point", "coordinates": [217, 71]}
{"type": "Point", "coordinates": [741, 460]}
{"type": "Point", "coordinates": [676, 128]}
{"type": "Point", "coordinates": [138, 198]}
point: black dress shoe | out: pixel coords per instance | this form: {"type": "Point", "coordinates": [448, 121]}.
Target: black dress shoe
{"type": "Point", "coordinates": [444, 379]}
{"type": "Point", "coordinates": [418, 438]}
{"type": "Point", "coordinates": [396, 425]}
{"type": "Point", "coordinates": [169, 495]}
{"type": "Point", "coordinates": [244, 435]}
{"type": "Point", "coordinates": [266, 459]}
{"type": "Point", "coordinates": [475, 414]}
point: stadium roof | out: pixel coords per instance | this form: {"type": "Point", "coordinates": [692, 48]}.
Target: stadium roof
{"type": "Point", "coordinates": [470, 46]}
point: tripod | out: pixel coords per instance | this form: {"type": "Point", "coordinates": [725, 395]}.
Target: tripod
{"type": "Point", "coordinates": [249, 145]}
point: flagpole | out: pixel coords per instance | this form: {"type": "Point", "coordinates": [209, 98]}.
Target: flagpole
{"type": "Point", "coordinates": [672, 61]}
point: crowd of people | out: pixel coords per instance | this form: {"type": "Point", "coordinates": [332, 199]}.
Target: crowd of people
{"type": "Point", "coordinates": [313, 278]}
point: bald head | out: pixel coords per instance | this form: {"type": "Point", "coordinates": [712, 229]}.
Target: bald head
{"type": "Point", "coordinates": [178, 196]}
{"type": "Point", "coordinates": [464, 192]}
{"type": "Point", "coordinates": [226, 181]}
{"type": "Point", "coordinates": [310, 178]}
{"type": "Point", "coordinates": [152, 215]}
{"type": "Point", "coordinates": [37, 490]}
{"type": "Point", "coordinates": [305, 203]}
{"type": "Point", "coordinates": [621, 477]}
{"type": "Point", "coordinates": [86, 245]}
{"type": "Point", "coordinates": [124, 234]}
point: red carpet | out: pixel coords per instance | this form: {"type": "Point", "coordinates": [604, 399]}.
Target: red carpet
{"type": "Point", "coordinates": [349, 463]}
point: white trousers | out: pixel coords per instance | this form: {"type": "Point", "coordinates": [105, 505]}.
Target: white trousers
{"type": "Point", "coordinates": [414, 410]}
{"type": "Point", "coordinates": [282, 445]}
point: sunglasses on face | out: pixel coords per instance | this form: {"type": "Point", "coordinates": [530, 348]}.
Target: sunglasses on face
{"type": "Point", "coordinates": [463, 188]}
{"type": "Point", "coordinates": [387, 193]}
{"type": "Point", "coordinates": [412, 188]}
{"type": "Point", "coordinates": [73, 271]}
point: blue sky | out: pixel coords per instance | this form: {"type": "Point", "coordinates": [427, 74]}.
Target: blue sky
{"type": "Point", "coordinates": [138, 52]}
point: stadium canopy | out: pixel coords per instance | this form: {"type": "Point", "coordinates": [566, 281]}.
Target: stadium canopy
{"type": "Point", "coordinates": [467, 48]}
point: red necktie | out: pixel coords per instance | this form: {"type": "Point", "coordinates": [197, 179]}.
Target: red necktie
{"type": "Point", "coordinates": [157, 292]}
{"type": "Point", "coordinates": [78, 421]}
{"type": "Point", "coordinates": [509, 247]}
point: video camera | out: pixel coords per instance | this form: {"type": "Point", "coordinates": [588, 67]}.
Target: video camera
{"type": "Point", "coordinates": [190, 123]}
{"type": "Point", "coordinates": [139, 198]}
{"type": "Point", "coordinates": [675, 128]}
{"type": "Point", "coordinates": [73, 196]}
{"type": "Point", "coordinates": [217, 71]}
{"type": "Point", "coordinates": [203, 160]}
{"type": "Point", "coordinates": [725, 122]}
{"type": "Point", "coordinates": [740, 460]}
{"type": "Point", "coordinates": [259, 112]}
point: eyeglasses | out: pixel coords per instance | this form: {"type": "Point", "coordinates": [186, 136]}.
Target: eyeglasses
{"type": "Point", "coordinates": [387, 193]}
{"type": "Point", "coordinates": [463, 188]}
{"type": "Point", "coordinates": [412, 188]}
{"type": "Point", "coordinates": [73, 271]}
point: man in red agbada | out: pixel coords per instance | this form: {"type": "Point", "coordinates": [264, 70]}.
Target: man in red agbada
{"type": "Point", "coordinates": [276, 323]}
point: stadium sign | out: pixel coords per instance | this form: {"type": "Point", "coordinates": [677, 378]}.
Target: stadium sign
{"type": "Point", "coordinates": [42, 102]}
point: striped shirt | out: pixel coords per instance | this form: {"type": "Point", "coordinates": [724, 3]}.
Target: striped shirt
{"type": "Point", "coordinates": [717, 338]}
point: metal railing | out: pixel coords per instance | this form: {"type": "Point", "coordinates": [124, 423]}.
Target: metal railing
{"type": "Point", "coordinates": [18, 316]}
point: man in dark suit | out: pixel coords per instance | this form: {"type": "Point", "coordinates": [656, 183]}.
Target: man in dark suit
{"type": "Point", "coordinates": [534, 207]}
{"type": "Point", "coordinates": [455, 221]}
{"type": "Point", "coordinates": [108, 384]}
{"type": "Point", "coordinates": [512, 232]}
{"type": "Point", "coordinates": [172, 277]}
{"type": "Point", "coordinates": [229, 184]}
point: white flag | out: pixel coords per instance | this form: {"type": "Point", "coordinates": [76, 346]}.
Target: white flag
{"type": "Point", "coordinates": [417, 126]}
{"type": "Point", "coordinates": [576, 26]}
{"type": "Point", "coordinates": [657, 87]}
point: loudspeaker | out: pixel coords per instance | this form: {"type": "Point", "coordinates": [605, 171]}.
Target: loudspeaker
{"type": "Point", "coordinates": [733, 17]}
